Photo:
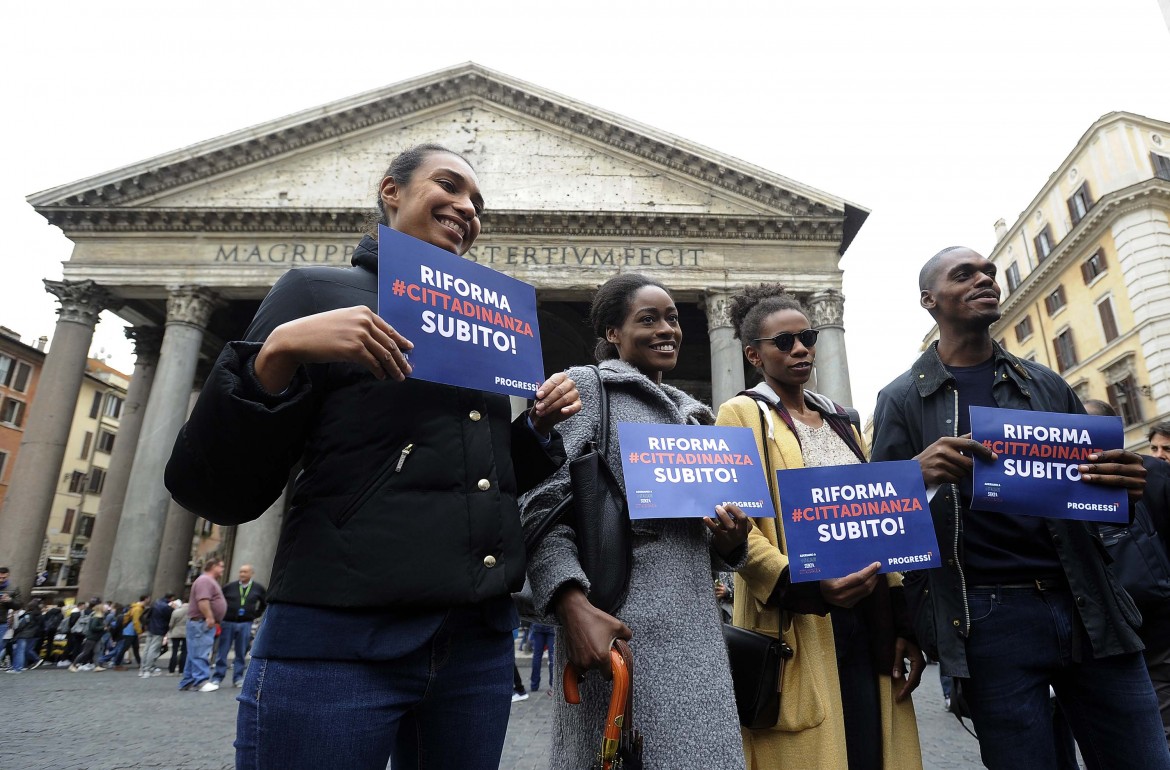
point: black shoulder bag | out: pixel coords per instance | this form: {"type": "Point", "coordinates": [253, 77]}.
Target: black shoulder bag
{"type": "Point", "coordinates": [596, 510]}
{"type": "Point", "coordinates": [757, 660]}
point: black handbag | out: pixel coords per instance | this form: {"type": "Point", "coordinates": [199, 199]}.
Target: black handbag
{"type": "Point", "coordinates": [596, 510]}
{"type": "Point", "coordinates": [757, 660]}
{"type": "Point", "coordinates": [757, 669]}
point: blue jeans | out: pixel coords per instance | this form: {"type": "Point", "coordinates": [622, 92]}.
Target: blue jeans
{"type": "Point", "coordinates": [23, 651]}
{"type": "Point", "coordinates": [444, 703]}
{"type": "Point", "coordinates": [198, 667]}
{"type": "Point", "coordinates": [1023, 640]}
{"type": "Point", "coordinates": [542, 640]}
{"type": "Point", "coordinates": [239, 636]}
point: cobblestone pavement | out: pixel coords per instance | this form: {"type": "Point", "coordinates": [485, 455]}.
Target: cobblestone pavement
{"type": "Point", "coordinates": [111, 720]}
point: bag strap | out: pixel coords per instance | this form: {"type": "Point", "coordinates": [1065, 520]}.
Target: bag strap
{"type": "Point", "coordinates": [779, 514]}
{"type": "Point", "coordinates": [603, 409]}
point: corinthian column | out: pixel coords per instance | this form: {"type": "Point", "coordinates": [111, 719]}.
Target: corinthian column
{"type": "Point", "coordinates": [96, 567]}
{"type": "Point", "coordinates": [827, 309]}
{"type": "Point", "coordinates": [144, 512]}
{"type": "Point", "coordinates": [726, 352]}
{"type": "Point", "coordinates": [256, 541]}
{"type": "Point", "coordinates": [42, 446]}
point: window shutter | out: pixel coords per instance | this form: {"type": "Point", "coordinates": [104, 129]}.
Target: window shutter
{"type": "Point", "coordinates": [1108, 322]}
{"type": "Point", "coordinates": [1087, 270]}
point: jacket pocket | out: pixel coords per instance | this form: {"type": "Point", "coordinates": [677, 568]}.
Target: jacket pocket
{"type": "Point", "coordinates": [392, 466]}
{"type": "Point", "coordinates": [805, 683]}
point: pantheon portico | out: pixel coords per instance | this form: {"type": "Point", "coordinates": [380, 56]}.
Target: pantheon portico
{"type": "Point", "coordinates": [184, 246]}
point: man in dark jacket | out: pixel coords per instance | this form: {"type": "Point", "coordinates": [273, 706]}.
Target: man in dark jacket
{"type": "Point", "coordinates": [1021, 602]}
{"type": "Point", "coordinates": [245, 603]}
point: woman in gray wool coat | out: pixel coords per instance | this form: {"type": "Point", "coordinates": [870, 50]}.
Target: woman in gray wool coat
{"type": "Point", "coordinates": [683, 698]}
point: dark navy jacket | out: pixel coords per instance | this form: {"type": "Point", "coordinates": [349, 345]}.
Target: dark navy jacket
{"type": "Point", "coordinates": [913, 412]}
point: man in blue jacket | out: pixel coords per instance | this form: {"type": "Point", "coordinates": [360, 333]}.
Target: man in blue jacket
{"type": "Point", "coordinates": [157, 619]}
{"type": "Point", "coordinates": [1021, 602]}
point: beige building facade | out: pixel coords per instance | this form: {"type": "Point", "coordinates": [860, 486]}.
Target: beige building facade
{"type": "Point", "coordinates": [1085, 271]}
{"type": "Point", "coordinates": [184, 247]}
{"type": "Point", "coordinates": [92, 438]}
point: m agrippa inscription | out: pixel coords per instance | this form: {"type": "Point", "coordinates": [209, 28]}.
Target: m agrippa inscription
{"type": "Point", "coordinates": [501, 256]}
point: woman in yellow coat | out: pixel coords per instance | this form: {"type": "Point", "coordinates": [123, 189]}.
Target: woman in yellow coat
{"type": "Point", "coordinates": [845, 694]}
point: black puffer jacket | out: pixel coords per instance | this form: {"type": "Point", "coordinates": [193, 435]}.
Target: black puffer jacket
{"type": "Point", "coordinates": [407, 495]}
{"type": "Point", "coordinates": [912, 413]}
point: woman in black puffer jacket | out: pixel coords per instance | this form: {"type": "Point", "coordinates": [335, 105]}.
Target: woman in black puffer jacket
{"type": "Point", "coordinates": [390, 598]}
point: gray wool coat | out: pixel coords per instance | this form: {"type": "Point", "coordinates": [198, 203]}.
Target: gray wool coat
{"type": "Point", "coordinates": [683, 698]}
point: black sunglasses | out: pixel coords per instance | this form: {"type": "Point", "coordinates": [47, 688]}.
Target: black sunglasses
{"type": "Point", "coordinates": [785, 340]}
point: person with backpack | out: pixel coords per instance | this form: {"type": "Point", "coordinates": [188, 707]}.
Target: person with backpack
{"type": "Point", "coordinates": [155, 619]}
{"type": "Point", "coordinates": [30, 627]}
{"type": "Point", "coordinates": [94, 629]}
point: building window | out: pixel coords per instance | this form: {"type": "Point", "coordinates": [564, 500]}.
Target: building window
{"type": "Point", "coordinates": [1093, 266]}
{"type": "Point", "coordinates": [1080, 203]}
{"type": "Point", "coordinates": [113, 406]}
{"type": "Point", "coordinates": [1024, 329]}
{"type": "Point", "coordinates": [12, 412]}
{"type": "Point", "coordinates": [3, 464]}
{"type": "Point", "coordinates": [85, 445]}
{"type": "Point", "coordinates": [96, 406]}
{"type": "Point", "coordinates": [14, 374]}
{"type": "Point", "coordinates": [1055, 301]}
{"type": "Point", "coordinates": [1161, 165]}
{"type": "Point", "coordinates": [76, 482]}
{"type": "Point", "coordinates": [1066, 351]}
{"type": "Point", "coordinates": [1124, 398]}
{"type": "Point", "coordinates": [1043, 243]}
{"type": "Point", "coordinates": [105, 442]}
{"type": "Point", "coordinates": [97, 480]}
{"type": "Point", "coordinates": [85, 526]}
{"type": "Point", "coordinates": [1013, 276]}
{"type": "Point", "coordinates": [1108, 322]}
{"type": "Point", "coordinates": [68, 524]}
{"type": "Point", "coordinates": [205, 528]}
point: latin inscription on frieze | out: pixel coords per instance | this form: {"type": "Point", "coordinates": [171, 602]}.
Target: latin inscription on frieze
{"type": "Point", "coordinates": [292, 252]}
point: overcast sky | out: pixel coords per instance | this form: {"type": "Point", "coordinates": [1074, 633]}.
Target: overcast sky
{"type": "Point", "coordinates": [939, 117]}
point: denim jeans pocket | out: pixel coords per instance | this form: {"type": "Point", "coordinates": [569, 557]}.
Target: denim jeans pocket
{"type": "Point", "coordinates": [981, 605]}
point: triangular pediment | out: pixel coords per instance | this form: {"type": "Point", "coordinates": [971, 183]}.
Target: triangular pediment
{"type": "Point", "coordinates": [537, 154]}
{"type": "Point", "coordinates": [522, 166]}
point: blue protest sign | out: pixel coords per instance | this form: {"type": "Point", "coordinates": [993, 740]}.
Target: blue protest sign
{"type": "Point", "coordinates": [1037, 473]}
{"type": "Point", "coordinates": [677, 471]}
{"type": "Point", "coordinates": [841, 518]}
{"type": "Point", "coordinates": [471, 326]}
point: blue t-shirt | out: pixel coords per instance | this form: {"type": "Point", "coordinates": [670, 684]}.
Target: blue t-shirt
{"type": "Point", "coordinates": [998, 548]}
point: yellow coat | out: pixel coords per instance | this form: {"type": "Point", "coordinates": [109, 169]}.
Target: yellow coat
{"type": "Point", "coordinates": [810, 734]}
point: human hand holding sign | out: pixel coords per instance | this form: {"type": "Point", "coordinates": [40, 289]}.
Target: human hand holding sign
{"type": "Point", "coordinates": [353, 334]}
{"type": "Point", "coordinates": [849, 590]}
{"type": "Point", "coordinates": [1116, 468]}
{"type": "Point", "coordinates": [556, 400]}
{"type": "Point", "coordinates": [730, 530]}
{"type": "Point", "coordinates": [949, 459]}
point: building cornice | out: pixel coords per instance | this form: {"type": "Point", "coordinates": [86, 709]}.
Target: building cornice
{"type": "Point", "coordinates": [95, 220]}
{"type": "Point", "coordinates": [1106, 211]}
{"type": "Point", "coordinates": [1054, 178]}
{"type": "Point", "coordinates": [465, 84]}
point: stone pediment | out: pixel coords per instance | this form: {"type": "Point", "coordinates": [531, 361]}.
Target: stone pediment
{"type": "Point", "coordinates": [541, 157]}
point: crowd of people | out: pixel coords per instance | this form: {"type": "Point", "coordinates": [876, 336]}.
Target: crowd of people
{"type": "Point", "coordinates": [405, 540]}
{"type": "Point", "coordinates": [96, 636]}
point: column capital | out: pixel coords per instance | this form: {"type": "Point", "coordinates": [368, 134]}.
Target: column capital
{"type": "Point", "coordinates": [81, 301]}
{"type": "Point", "coordinates": [827, 308]}
{"type": "Point", "coordinates": [717, 306]}
{"type": "Point", "coordinates": [190, 305]}
{"type": "Point", "coordinates": [147, 341]}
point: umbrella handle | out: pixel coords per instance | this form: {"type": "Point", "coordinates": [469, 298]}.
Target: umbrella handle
{"type": "Point", "coordinates": [615, 719]}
